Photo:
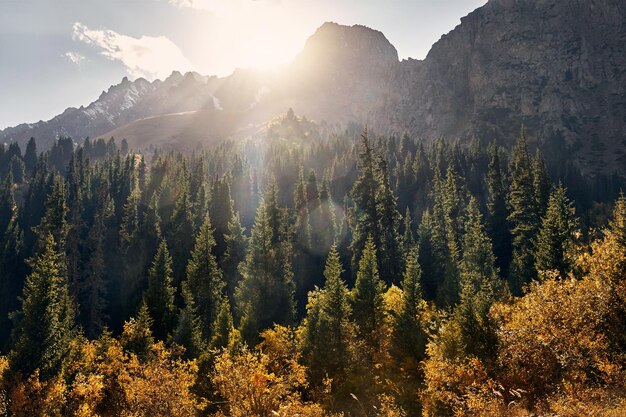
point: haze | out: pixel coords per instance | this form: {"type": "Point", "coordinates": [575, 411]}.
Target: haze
{"type": "Point", "coordinates": [57, 54]}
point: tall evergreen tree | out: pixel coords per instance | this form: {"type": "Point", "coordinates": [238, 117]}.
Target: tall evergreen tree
{"type": "Point", "coordinates": [204, 278]}
{"type": "Point", "coordinates": [364, 217]}
{"type": "Point", "coordinates": [30, 156]}
{"type": "Point", "coordinates": [223, 328]}
{"type": "Point", "coordinates": [188, 331]}
{"type": "Point", "coordinates": [390, 257]}
{"type": "Point", "coordinates": [367, 294]}
{"type": "Point", "coordinates": [523, 217]}
{"type": "Point", "coordinates": [541, 183]}
{"type": "Point", "coordinates": [181, 229]}
{"type": "Point", "coordinates": [497, 220]}
{"type": "Point", "coordinates": [328, 331]}
{"type": "Point", "coordinates": [556, 236]}
{"type": "Point", "coordinates": [409, 338]}
{"type": "Point", "coordinates": [265, 294]}
{"type": "Point", "coordinates": [479, 287]}
{"type": "Point", "coordinates": [93, 290]}
{"type": "Point", "coordinates": [45, 323]}
{"type": "Point", "coordinates": [159, 296]}
{"type": "Point", "coordinates": [236, 244]}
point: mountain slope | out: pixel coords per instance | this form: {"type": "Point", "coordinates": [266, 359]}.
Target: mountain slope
{"type": "Point", "coordinates": [556, 67]}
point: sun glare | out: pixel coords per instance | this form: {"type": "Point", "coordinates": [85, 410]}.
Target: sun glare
{"type": "Point", "coordinates": [260, 34]}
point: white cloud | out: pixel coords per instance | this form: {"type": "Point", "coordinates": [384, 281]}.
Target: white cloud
{"type": "Point", "coordinates": [148, 56]}
{"type": "Point", "coordinates": [74, 57]}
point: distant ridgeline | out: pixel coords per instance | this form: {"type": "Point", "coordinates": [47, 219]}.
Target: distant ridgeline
{"type": "Point", "coordinates": [383, 276]}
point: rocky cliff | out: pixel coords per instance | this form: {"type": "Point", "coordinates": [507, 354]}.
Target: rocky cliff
{"type": "Point", "coordinates": [557, 67]}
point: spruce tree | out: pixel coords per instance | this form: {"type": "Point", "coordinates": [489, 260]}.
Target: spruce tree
{"type": "Point", "coordinates": [617, 224]}
{"type": "Point", "coordinates": [188, 331]}
{"type": "Point", "coordinates": [223, 328]}
{"type": "Point", "coordinates": [30, 156]}
{"type": "Point", "coordinates": [93, 290]}
{"type": "Point", "coordinates": [556, 236]}
{"type": "Point", "coordinates": [364, 216]}
{"type": "Point", "coordinates": [182, 228]}
{"type": "Point", "coordinates": [159, 296]}
{"type": "Point", "coordinates": [479, 287]}
{"type": "Point", "coordinates": [236, 244]}
{"type": "Point", "coordinates": [497, 220]}
{"type": "Point", "coordinates": [265, 294]}
{"type": "Point", "coordinates": [367, 294]}
{"type": "Point", "coordinates": [45, 323]}
{"type": "Point", "coordinates": [328, 331]}
{"type": "Point", "coordinates": [390, 253]}
{"type": "Point", "coordinates": [523, 217]}
{"type": "Point", "coordinates": [204, 278]}
{"type": "Point", "coordinates": [409, 338]}
{"type": "Point", "coordinates": [541, 184]}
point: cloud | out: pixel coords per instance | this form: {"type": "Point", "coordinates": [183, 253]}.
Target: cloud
{"type": "Point", "coordinates": [148, 56]}
{"type": "Point", "coordinates": [74, 57]}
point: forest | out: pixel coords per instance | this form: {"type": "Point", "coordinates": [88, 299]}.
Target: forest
{"type": "Point", "coordinates": [311, 271]}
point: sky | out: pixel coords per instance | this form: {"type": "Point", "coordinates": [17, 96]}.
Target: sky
{"type": "Point", "coordinates": [60, 53]}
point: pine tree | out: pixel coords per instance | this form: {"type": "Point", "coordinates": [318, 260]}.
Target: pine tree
{"type": "Point", "coordinates": [204, 278]}
{"type": "Point", "coordinates": [541, 184]}
{"type": "Point", "coordinates": [181, 230]}
{"type": "Point", "coordinates": [94, 288]}
{"type": "Point", "coordinates": [223, 328]}
{"type": "Point", "coordinates": [236, 244]}
{"type": "Point", "coordinates": [523, 217]}
{"type": "Point", "coordinates": [408, 239]}
{"type": "Point", "coordinates": [617, 224]}
{"type": "Point", "coordinates": [497, 220]}
{"type": "Point", "coordinates": [54, 220]}
{"type": "Point", "coordinates": [479, 286]}
{"type": "Point", "coordinates": [188, 331]}
{"type": "Point", "coordinates": [367, 294]}
{"type": "Point", "coordinates": [364, 217]}
{"type": "Point", "coordinates": [302, 226]}
{"type": "Point", "coordinates": [328, 332]}
{"type": "Point", "coordinates": [30, 156]}
{"type": "Point", "coordinates": [137, 336]}
{"type": "Point", "coordinates": [390, 256]}
{"type": "Point", "coordinates": [265, 294]}
{"type": "Point", "coordinates": [409, 338]}
{"type": "Point", "coordinates": [221, 211]}
{"type": "Point", "coordinates": [11, 258]}
{"type": "Point", "coordinates": [45, 323]}
{"type": "Point", "coordinates": [431, 269]}
{"type": "Point", "coordinates": [556, 236]}
{"type": "Point", "coordinates": [159, 296]}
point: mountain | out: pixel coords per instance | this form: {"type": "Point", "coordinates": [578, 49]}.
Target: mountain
{"type": "Point", "coordinates": [556, 67]}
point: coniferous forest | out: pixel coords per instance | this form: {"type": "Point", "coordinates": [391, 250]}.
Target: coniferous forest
{"type": "Point", "coordinates": [310, 272]}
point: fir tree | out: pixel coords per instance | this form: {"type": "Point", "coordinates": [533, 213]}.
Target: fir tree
{"type": "Point", "coordinates": [364, 217]}
{"type": "Point", "coordinates": [236, 244]}
{"type": "Point", "coordinates": [523, 217]}
{"type": "Point", "coordinates": [45, 323]}
{"type": "Point", "coordinates": [30, 156]}
{"type": "Point", "coordinates": [617, 224]}
{"type": "Point", "coordinates": [367, 294]}
{"type": "Point", "coordinates": [556, 236]}
{"type": "Point", "coordinates": [327, 331]}
{"type": "Point", "coordinates": [159, 296]}
{"type": "Point", "coordinates": [390, 256]}
{"type": "Point", "coordinates": [409, 339]}
{"type": "Point", "coordinates": [541, 184]}
{"type": "Point", "coordinates": [479, 286]}
{"type": "Point", "coordinates": [223, 328]}
{"type": "Point", "coordinates": [265, 294]}
{"type": "Point", "coordinates": [188, 331]}
{"type": "Point", "coordinates": [94, 288]}
{"type": "Point", "coordinates": [137, 336]}
{"type": "Point", "coordinates": [204, 278]}
{"type": "Point", "coordinates": [181, 229]}
{"type": "Point", "coordinates": [497, 219]}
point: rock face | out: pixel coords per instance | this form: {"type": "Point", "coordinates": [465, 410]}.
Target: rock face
{"type": "Point", "coordinates": [557, 67]}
